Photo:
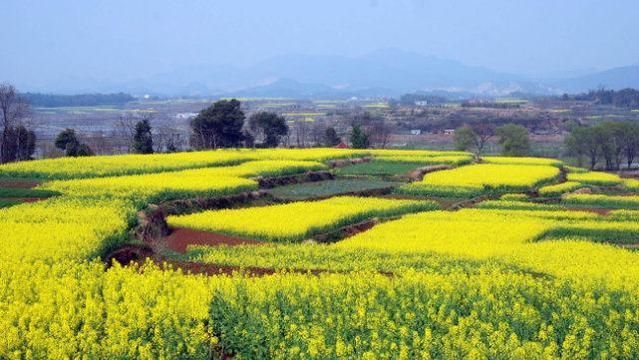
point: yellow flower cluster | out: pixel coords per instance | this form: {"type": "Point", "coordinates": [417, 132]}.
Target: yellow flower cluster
{"type": "Point", "coordinates": [99, 166]}
{"type": "Point", "coordinates": [299, 220]}
{"type": "Point", "coordinates": [600, 200]}
{"type": "Point", "coordinates": [62, 229]}
{"type": "Point", "coordinates": [214, 181]}
{"type": "Point", "coordinates": [519, 237]}
{"type": "Point", "coordinates": [475, 179]}
{"type": "Point", "coordinates": [521, 161]}
{"type": "Point", "coordinates": [595, 178]}
{"type": "Point", "coordinates": [558, 189]}
{"type": "Point", "coordinates": [82, 167]}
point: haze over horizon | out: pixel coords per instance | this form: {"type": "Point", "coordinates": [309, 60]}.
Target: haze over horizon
{"type": "Point", "coordinates": [127, 40]}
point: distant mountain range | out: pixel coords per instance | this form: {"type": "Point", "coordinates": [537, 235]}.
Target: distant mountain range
{"type": "Point", "coordinates": [388, 72]}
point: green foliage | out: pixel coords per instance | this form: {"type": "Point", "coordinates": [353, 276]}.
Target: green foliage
{"type": "Point", "coordinates": [514, 140]}
{"type": "Point", "coordinates": [379, 168]}
{"type": "Point", "coordinates": [142, 138]}
{"type": "Point", "coordinates": [611, 141]}
{"type": "Point", "coordinates": [359, 139]}
{"type": "Point", "coordinates": [67, 141]}
{"type": "Point", "coordinates": [465, 138]}
{"type": "Point", "coordinates": [65, 138]}
{"type": "Point", "coordinates": [26, 193]}
{"type": "Point", "coordinates": [330, 137]}
{"type": "Point", "coordinates": [328, 188]}
{"type": "Point", "coordinates": [218, 126]}
{"type": "Point", "coordinates": [8, 203]}
{"type": "Point", "coordinates": [270, 126]}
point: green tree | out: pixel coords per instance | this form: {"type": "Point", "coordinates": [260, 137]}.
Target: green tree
{"type": "Point", "coordinates": [65, 139]}
{"type": "Point", "coordinates": [465, 138]}
{"type": "Point", "coordinates": [584, 141]}
{"type": "Point", "coordinates": [474, 138]}
{"type": "Point", "coordinates": [359, 139]}
{"type": "Point", "coordinates": [630, 142]}
{"type": "Point", "coordinates": [68, 141]}
{"type": "Point", "coordinates": [219, 125]}
{"type": "Point", "coordinates": [268, 126]}
{"type": "Point", "coordinates": [142, 138]}
{"type": "Point", "coordinates": [514, 140]}
{"type": "Point", "coordinates": [330, 137]}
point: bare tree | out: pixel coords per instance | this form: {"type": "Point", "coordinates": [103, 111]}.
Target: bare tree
{"type": "Point", "coordinates": [379, 132]}
{"type": "Point", "coordinates": [167, 139]}
{"type": "Point", "coordinates": [13, 108]}
{"type": "Point", "coordinates": [300, 131]}
{"type": "Point", "coordinates": [124, 129]}
{"type": "Point", "coordinates": [484, 131]}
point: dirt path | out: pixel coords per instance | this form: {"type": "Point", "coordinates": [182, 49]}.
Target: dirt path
{"type": "Point", "coordinates": [18, 184]}
{"type": "Point", "coordinates": [180, 238]}
{"type": "Point", "coordinates": [196, 268]}
{"type": "Point", "coordinates": [599, 211]}
{"type": "Point", "coordinates": [23, 199]}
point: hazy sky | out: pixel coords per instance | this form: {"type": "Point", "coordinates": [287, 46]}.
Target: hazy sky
{"type": "Point", "coordinates": [129, 38]}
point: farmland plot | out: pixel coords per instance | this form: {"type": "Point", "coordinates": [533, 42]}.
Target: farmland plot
{"type": "Point", "coordinates": [508, 277]}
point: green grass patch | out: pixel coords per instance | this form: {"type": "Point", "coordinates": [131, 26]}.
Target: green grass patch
{"type": "Point", "coordinates": [328, 188]}
{"type": "Point", "coordinates": [8, 203]}
{"type": "Point", "coordinates": [26, 193]}
{"type": "Point", "coordinates": [379, 168]}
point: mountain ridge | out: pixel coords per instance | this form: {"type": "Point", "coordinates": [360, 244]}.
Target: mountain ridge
{"type": "Point", "coordinates": [381, 73]}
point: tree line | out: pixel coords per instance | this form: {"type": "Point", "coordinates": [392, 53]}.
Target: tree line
{"type": "Point", "coordinates": [611, 144]}
{"type": "Point", "coordinates": [54, 100]}
{"type": "Point", "coordinates": [513, 138]}
{"type": "Point", "coordinates": [223, 125]}
{"type": "Point", "coordinates": [628, 98]}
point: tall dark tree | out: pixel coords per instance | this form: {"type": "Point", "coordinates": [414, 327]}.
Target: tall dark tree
{"type": "Point", "coordinates": [68, 141]}
{"type": "Point", "coordinates": [359, 139]}
{"type": "Point", "coordinates": [25, 141]}
{"type": "Point", "coordinates": [66, 137]}
{"type": "Point", "coordinates": [268, 126]}
{"type": "Point", "coordinates": [142, 138]}
{"type": "Point", "coordinates": [219, 125]}
{"type": "Point", "coordinates": [330, 137]}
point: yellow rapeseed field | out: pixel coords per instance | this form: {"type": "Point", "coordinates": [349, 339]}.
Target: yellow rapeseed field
{"type": "Point", "coordinates": [510, 278]}
{"type": "Point", "coordinates": [298, 220]}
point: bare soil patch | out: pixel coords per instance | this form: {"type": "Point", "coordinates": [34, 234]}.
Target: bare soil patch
{"type": "Point", "coordinates": [347, 162]}
{"type": "Point", "coordinates": [30, 200]}
{"type": "Point", "coordinates": [179, 239]}
{"type": "Point", "coordinates": [128, 253]}
{"type": "Point", "coordinates": [599, 211]}
{"type": "Point", "coordinates": [418, 174]}
{"type": "Point", "coordinates": [18, 183]}
{"type": "Point", "coordinates": [346, 231]}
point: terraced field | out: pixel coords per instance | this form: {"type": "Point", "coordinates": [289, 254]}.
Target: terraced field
{"type": "Point", "coordinates": [254, 254]}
